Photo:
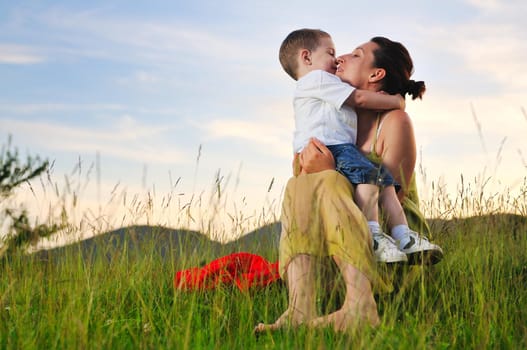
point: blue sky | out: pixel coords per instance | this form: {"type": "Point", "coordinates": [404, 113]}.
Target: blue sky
{"type": "Point", "coordinates": [163, 90]}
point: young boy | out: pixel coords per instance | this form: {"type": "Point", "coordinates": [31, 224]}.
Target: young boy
{"type": "Point", "coordinates": [323, 107]}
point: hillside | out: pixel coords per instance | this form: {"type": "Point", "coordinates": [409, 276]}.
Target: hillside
{"type": "Point", "coordinates": [168, 242]}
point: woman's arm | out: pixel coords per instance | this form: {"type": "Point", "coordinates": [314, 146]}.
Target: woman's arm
{"type": "Point", "coordinates": [315, 157]}
{"type": "Point", "coordinates": [396, 145]}
{"type": "Point", "coordinates": [374, 100]}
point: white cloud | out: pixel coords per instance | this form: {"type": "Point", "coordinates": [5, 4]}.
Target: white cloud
{"type": "Point", "coordinates": [270, 129]}
{"type": "Point", "coordinates": [491, 44]}
{"type": "Point", "coordinates": [19, 54]}
{"type": "Point", "coordinates": [40, 108]}
{"type": "Point", "coordinates": [496, 5]}
{"type": "Point", "coordinates": [35, 108]}
{"type": "Point", "coordinates": [498, 51]}
{"type": "Point", "coordinates": [94, 34]}
{"type": "Point", "coordinates": [149, 81]}
{"type": "Point", "coordinates": [125, 138]}
{"type": "Point", "coordinates": [145, 77]}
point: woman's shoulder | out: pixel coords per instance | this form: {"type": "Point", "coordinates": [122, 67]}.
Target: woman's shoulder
{"type": "Point", "coordinates": [396, 119]}
{"type": "Point", "coordinates": [395, 129]}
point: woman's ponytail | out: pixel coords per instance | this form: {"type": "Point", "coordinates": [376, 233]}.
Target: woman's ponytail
{"type": "Point", "coordinates": [416, 89]}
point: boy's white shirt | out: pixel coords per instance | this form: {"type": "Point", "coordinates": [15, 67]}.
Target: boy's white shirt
{"type": "Point", "coordinates": [320, 111]}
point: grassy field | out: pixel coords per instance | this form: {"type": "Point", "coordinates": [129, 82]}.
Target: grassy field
{"type": "Point", "coordinates": [122, 297]}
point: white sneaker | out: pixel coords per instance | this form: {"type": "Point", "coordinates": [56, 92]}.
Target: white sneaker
{"type": "Point", "coordinates": [419, 250]}
{"type": "Point", "coordinates": [386, 250]}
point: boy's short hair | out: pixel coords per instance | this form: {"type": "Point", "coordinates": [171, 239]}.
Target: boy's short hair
{"type": "Point", "coordinates": [299, 39]}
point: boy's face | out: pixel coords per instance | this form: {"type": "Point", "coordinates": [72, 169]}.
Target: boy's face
{"type": "Point", "coordinates": [323, 57]}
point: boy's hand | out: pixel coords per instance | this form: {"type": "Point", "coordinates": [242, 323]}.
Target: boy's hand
{"type": "Point", "coordinates": [402, 102]}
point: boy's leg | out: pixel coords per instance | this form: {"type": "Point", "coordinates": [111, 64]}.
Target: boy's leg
{"type": "Point", "coordinates": [361, 172]}
{"type": "Point", "coordinates": [301, 289]}
{"type": "Point", "coordinates": [417, 248]}
{"type": "Point", "coordinates": [359, 307]}
{"type": "Point", "coordinates": [393, 211]}
{"type": "Point", "coordinates": [367, 198]}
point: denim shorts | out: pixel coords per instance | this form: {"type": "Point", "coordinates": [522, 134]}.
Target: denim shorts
{"type": "Point", "coordinates": [351, 163]}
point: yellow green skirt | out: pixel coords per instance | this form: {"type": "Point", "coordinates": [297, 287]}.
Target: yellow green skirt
{"type": "Point", "coordinates": [320, 218]}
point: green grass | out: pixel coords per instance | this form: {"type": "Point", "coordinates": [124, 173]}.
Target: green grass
{"type": "Point", "coordinates": [474, 299]}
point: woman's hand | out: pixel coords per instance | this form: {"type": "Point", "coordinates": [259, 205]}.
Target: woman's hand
{"type": "Point", "coordinates": [315, 157]}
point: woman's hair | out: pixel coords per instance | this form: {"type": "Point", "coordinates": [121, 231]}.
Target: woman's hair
{"type": "Point", "coordinates": [394, 58]}
{"type": "Point", "coordinates": [299, 39]}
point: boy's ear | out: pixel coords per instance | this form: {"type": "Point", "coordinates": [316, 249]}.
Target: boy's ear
{"type": "Point", "coordinates": [305, 56]}
{"type": "Point", "coordinates": [377, 74]}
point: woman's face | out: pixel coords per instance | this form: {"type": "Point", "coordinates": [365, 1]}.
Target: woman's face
{"type": "Point", "coordinates": [356, 67]}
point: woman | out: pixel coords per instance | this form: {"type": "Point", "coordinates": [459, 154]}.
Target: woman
{"type": "Point", "coordinates": [385, 65]}
{"type": "Point", "coordinates": [319, 217]}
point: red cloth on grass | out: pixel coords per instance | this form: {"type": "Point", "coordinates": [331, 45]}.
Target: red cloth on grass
{"type": "Point", "coordinates": [245, 270]}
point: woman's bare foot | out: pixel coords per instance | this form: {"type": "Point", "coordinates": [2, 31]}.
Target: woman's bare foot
{"type": "Point", "coordinates": [359, 308]}
{"type": "Point", "coordinates": [340, 320]}
{"type": "Point", "coordinates": [364, 313]}
{"type": "Point", "coordinates": [288, 318]}
{"type": "Point", "coordinates": [301, 290]}
{"type": "Point", "coordinates": [264, 327]}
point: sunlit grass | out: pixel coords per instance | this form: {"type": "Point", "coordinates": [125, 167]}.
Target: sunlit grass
{"type": "Point", "coordinates": [475, 298]}
{"type": "Point", "coordinates": [117, 296]}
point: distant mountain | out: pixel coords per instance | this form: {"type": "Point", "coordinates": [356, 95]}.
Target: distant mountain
{"type": "Point", "coordinates": [168, 243]}
{"type": "Point", "coordinates": [165, 243]}
{"type": "Point", "coordinates": [259, 241]}
{"type": "Point", "coordinates": [490, 224]}
{"type": "Point", "coordinates": [140, 239]}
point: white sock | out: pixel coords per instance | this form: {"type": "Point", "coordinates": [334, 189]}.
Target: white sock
{"type": "Point", "coordinates": [400, 233]}
{"type": "Point", "coordinates": [375, 228]}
